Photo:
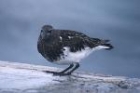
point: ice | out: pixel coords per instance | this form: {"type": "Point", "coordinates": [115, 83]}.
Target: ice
{"type": "Point", "coordinates": [26, 78]}
{"type": "Point", "coordinates": [21, 78]}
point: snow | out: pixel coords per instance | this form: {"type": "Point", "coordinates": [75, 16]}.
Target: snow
{"type": "Point", "coordinates": [26, 78]}
{"type": "Point", "coordinates": [15, 77]}
{"type": "Point", "coordinates": [22, 78]}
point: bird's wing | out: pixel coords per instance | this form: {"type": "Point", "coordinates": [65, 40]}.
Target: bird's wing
{"type": "Point", "coordinates": [76, 40]}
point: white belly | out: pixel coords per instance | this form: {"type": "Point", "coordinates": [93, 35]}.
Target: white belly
{"type": "Point", "coordinates": [71, 57]}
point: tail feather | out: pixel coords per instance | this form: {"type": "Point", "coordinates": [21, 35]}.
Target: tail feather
{"type": "Point", "coordinates": [107, 44]}
{"type": "Point", "coordinates": [104, 43]}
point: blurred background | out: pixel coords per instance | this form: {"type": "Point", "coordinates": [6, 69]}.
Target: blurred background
{"type": "Point", "coordinates": [117, 20]}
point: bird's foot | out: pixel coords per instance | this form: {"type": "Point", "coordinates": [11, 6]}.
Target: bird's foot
{"type": "Point", "coordinates": [58, 73]}
{"type": "Point", "coordinates": [61, 74]}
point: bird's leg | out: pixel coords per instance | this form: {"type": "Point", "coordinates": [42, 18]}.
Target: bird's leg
{"type": "Point", "coordinates": [70, 66]}
{"type": "Point", "coordinates": [54, 73]}
{"type": "Point", "coordinates": [62, 73]}
{"type": "Point", "coordinates": [77, 65]}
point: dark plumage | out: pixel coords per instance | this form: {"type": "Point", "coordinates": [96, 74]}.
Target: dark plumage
{"type": "Point", "coordinates": [57, 45]}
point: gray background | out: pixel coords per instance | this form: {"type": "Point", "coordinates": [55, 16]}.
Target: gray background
{"type": "Point", "coordinates": [117, 20]}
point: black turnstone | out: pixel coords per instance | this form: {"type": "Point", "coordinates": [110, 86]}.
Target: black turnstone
{"type": "Point", "coordinates": [67, 47]}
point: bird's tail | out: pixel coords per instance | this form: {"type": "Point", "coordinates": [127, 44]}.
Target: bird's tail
{"type": "Point", "coordinates": [103, 43]}
{"type": "Point", "coordinates": [106, 44]}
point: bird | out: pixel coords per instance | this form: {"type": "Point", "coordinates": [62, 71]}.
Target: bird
{"type": "Point", "coordinates": [67, 47]}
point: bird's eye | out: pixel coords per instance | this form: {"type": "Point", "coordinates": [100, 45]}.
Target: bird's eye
{"type": "Point", "coordinates": [49, 31]}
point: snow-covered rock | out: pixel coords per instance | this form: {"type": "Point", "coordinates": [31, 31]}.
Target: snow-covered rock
{"type": "Point", "coordinates": [26, 78]}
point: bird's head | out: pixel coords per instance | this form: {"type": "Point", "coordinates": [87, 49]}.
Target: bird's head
{"type": "Point", "coordinates": [46, 31]}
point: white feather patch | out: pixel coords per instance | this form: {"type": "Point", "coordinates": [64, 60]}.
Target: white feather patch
{"type": "Point", "coordinates": [60, 38]}
{"type": "Point", "coordinates": [71, 57]}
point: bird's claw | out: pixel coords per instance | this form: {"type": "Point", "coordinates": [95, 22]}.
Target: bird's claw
{"type": "Point", "coordinates": [58, 73]}
{"type": "Point", "coordinates": [61, 74]}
